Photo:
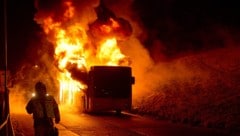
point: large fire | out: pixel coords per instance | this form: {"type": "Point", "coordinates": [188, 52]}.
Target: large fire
{"type": "Point", "coordinates": [78, 47]}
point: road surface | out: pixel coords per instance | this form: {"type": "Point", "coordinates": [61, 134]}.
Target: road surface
{"type": "Point", "coordinates": [110, 124]}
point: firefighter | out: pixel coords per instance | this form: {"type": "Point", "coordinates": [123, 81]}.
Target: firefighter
{"type": "Point", "coordinates": [44, 109]}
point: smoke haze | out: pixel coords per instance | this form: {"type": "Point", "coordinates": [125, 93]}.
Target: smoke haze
{"type": "Point", "coordinates": [170, 54]}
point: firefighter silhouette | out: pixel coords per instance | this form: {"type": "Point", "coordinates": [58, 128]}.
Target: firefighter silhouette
{"type": "Point", "coordinates": [44, 109]}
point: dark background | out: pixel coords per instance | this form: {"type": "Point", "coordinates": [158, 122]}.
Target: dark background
{"type": "Point", "coordinates": [179, 27]}
{"type": "Point", "coordinates": [186, 26]}
{"type": "Point", "coordinates": [20, 30]}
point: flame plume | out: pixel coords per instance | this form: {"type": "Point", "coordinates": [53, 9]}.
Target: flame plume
{"type": "Point", "coordinates": [79, 46]}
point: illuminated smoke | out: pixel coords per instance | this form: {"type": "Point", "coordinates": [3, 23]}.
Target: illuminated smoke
{"type": "Point", "coordinates": [163, 76]}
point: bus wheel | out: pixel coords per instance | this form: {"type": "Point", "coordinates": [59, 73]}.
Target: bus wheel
{"type": "Point", "coordinates": [118, 112]}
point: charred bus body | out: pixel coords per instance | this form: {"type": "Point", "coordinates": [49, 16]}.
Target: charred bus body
{"type": "Point", "coordinates": [109, 88]}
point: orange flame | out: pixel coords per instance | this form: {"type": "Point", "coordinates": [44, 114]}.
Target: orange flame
{"type": "Point", "coordinates": [73, 47]}
{"type": "Point", "coordinates": [109, 53]}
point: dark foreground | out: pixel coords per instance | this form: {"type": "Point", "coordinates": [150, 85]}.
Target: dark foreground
{"type": "Point", "coordinates": [109, 124]}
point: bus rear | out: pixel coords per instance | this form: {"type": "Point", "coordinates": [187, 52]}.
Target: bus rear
{"type": "Point", "coordinates": [109, 88]}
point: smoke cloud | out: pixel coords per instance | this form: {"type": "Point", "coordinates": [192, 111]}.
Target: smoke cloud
{"type": "Point", "coordinates": [155, 59]}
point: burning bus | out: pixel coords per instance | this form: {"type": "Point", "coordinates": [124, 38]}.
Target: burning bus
{"type": "Point", "coordinates": [89, 60]}
{"type": "Point", "coordinates": [106, 88]}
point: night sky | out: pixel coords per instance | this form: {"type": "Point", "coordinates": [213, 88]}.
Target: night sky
{"type": "Point", "coordinates": [177, 26]}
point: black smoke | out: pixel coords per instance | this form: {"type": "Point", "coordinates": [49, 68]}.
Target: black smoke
{"type": "Point", "coordinates": [178, 27]}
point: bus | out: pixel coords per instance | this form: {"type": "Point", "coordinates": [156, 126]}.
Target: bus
{"type": "Point", "coordinates": [109, 88]}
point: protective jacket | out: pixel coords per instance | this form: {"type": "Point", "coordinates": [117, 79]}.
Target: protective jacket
{"type": "Point", "coordinates": [43, 110]}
